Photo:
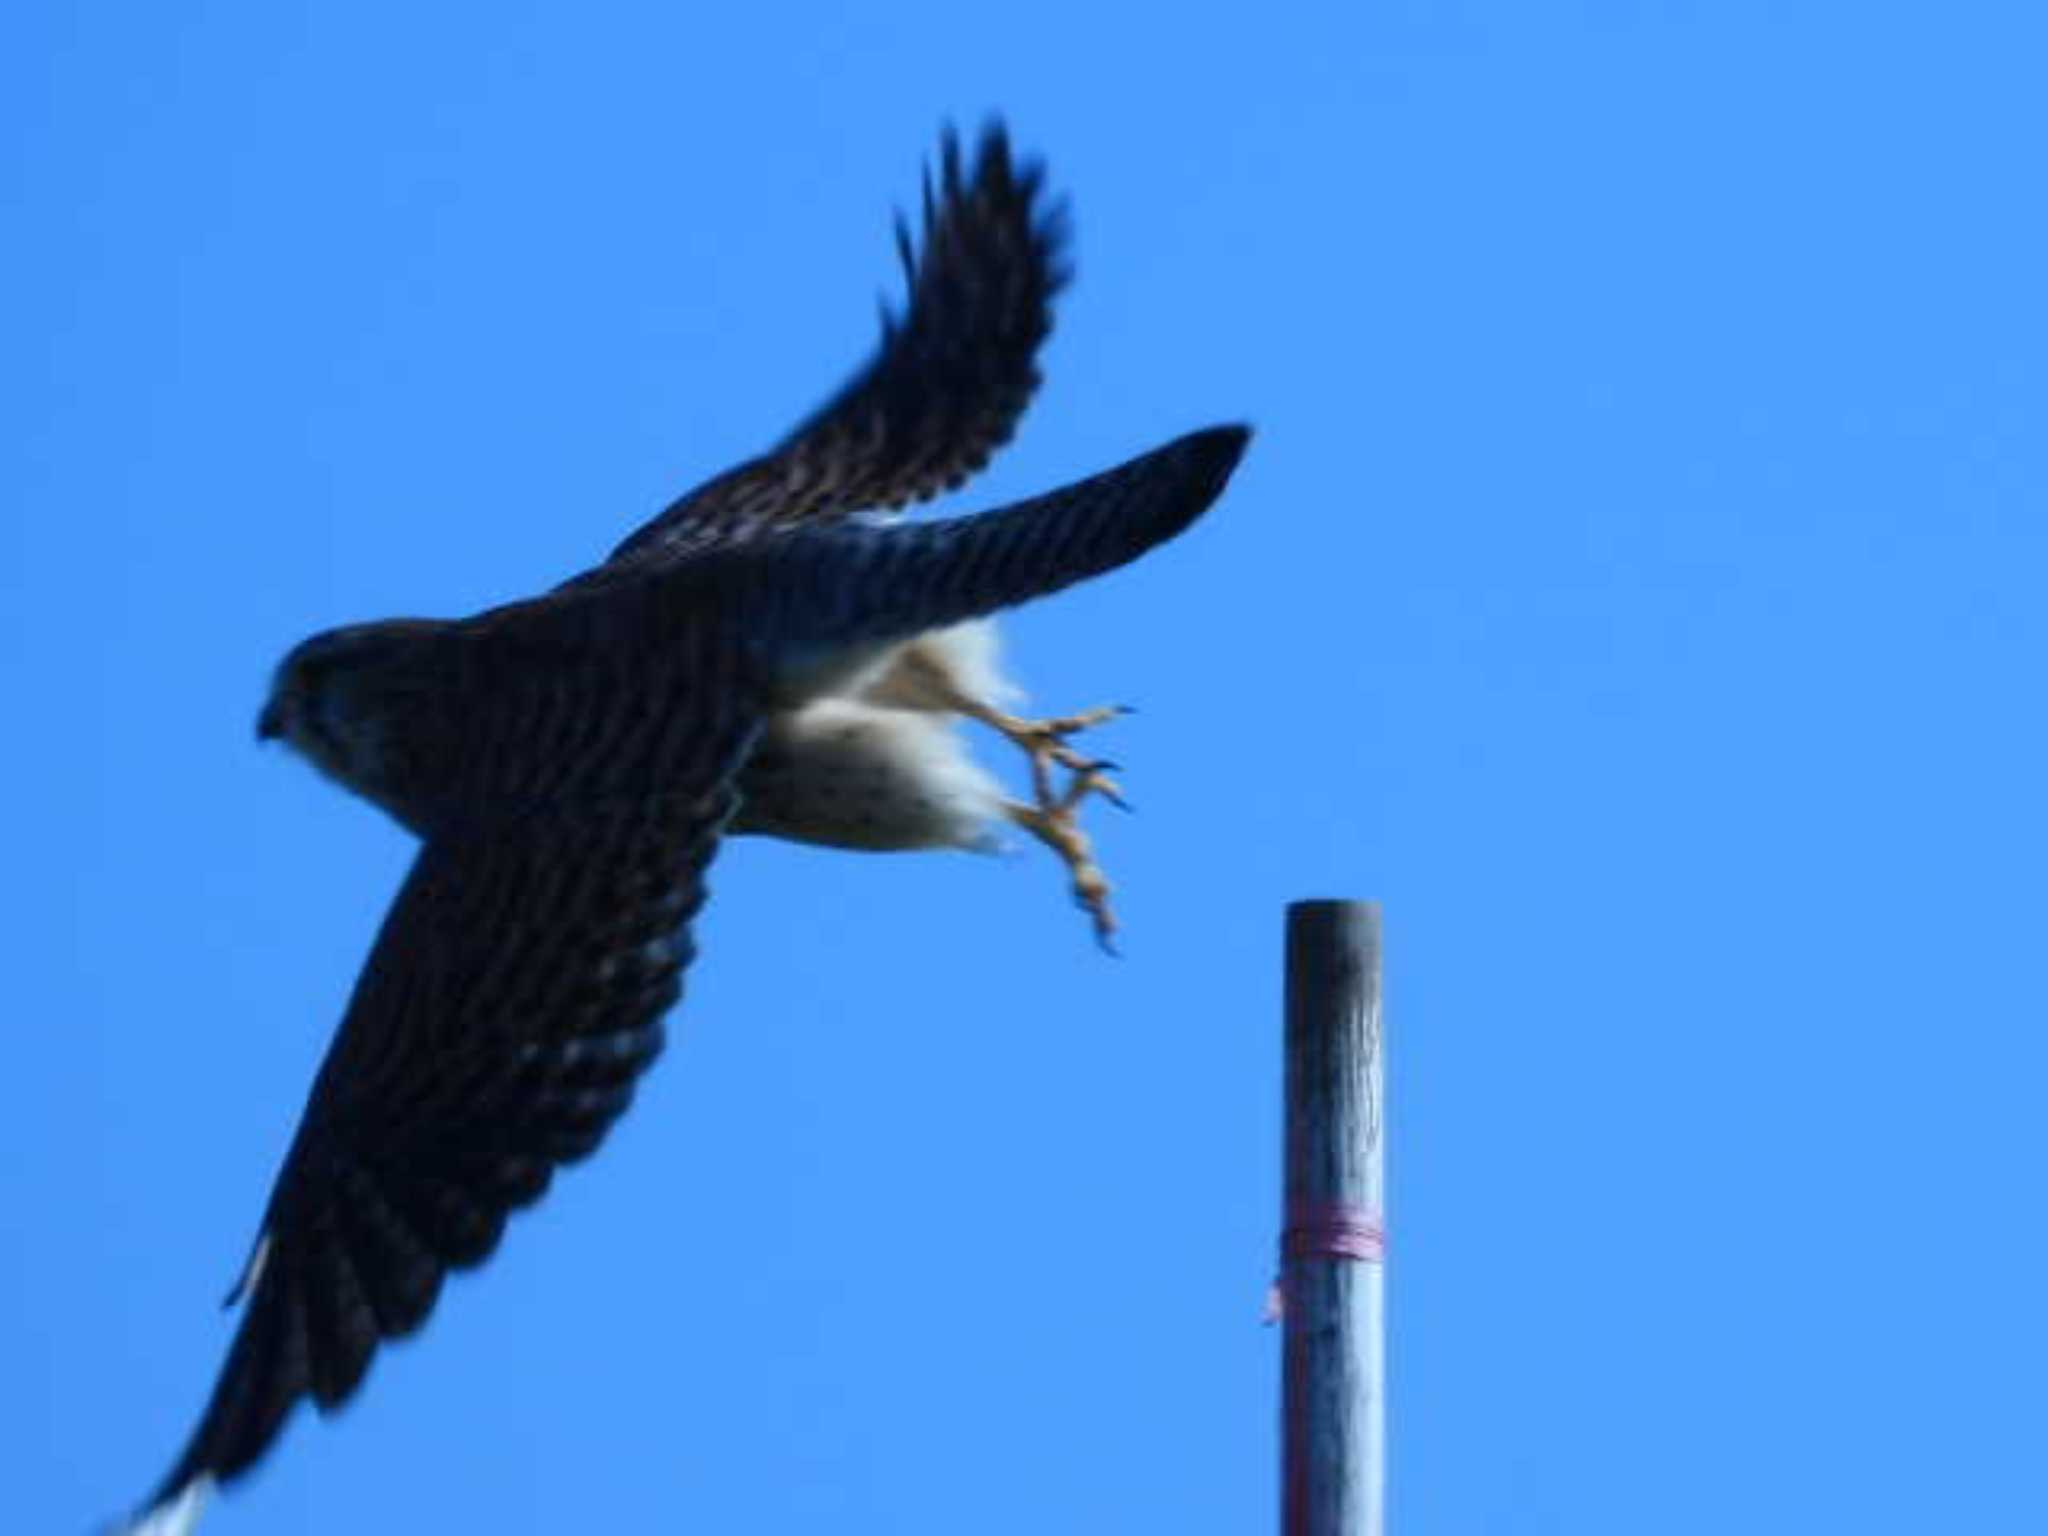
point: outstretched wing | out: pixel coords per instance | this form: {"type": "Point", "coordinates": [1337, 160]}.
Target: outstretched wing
{"type": "Point", "coordinates": [943, 391]}
{"type": "Point", "coordinates": [509, 1005]}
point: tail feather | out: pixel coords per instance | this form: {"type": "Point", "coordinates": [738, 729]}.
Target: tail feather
{"type": "Point", "coordinates": [847, 585]}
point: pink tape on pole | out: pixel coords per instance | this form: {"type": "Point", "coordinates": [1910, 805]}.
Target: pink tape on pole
{"type": "Point", "coordinates": [1325, 1232]}
{"type": "Point", "coordinates": [1334, 1232]}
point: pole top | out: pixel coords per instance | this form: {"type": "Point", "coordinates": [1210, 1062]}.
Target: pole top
{"type": "Point", "coordinates": [1341, 903]}
{"type": "Point", "coordinates": [1327, 932]}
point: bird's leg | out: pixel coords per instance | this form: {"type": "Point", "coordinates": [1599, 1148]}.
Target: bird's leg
{"type": "Point", "coordinates": [1054, 824]}
{"type": "Point", "coordinates": [1054, 820]}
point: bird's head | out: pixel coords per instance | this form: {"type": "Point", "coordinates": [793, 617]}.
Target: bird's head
{"type": "Point", "coordinates": [347, 700]}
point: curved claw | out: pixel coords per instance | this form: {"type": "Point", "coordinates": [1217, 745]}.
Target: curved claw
{"type": "Point", "coordinates": [1090, 782]}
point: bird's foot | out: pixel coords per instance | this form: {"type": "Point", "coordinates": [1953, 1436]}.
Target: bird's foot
{"type": "Point", "coordinates": [1044, 742]}
{"type": "Point", "coordinates": [1059, 829]}
{"type": "Point", "coordinates": [1054, 820]}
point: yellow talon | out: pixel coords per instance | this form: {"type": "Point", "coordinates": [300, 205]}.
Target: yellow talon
{"type": "Point", "coordinates": [1054, 820]}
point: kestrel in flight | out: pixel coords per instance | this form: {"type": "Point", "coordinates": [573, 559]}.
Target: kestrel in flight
{"type": "Point", "coordinates": [769, 655]}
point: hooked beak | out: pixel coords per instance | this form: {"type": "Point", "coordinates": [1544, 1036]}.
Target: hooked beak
{"type": "Point", "coordinates": [270, 724]}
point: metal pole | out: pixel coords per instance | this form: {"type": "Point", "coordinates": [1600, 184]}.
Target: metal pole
{"type": "Point", "coordinates": [1332, 1282]}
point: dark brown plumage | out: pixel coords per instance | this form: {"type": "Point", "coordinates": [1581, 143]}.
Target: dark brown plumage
{"type": "Point", "coordinates": [569, 763]}
{"type": "Point", "coordinates": [943, 391]}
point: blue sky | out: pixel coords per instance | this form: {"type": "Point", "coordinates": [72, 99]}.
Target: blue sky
{"type": "Point", "coordinates": [1636, 584]}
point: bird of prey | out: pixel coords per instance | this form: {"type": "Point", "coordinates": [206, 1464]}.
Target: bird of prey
{"type": "Point", "coordinates": [770, 654]}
